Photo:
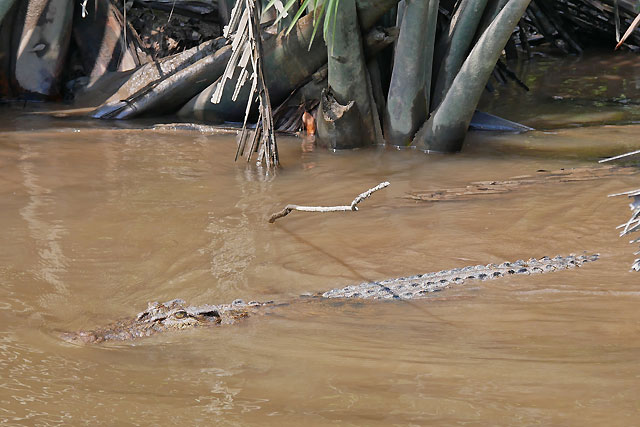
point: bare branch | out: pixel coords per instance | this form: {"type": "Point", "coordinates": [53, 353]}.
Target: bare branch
{"type": "Point", "coordinates": [359, 198]}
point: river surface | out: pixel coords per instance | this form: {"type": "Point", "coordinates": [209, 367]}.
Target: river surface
{"type": "Point", "coordinates": [97, 221]}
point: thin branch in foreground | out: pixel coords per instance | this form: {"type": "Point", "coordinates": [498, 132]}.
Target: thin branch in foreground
{"type": "Point", "coordinates": [353, 207]}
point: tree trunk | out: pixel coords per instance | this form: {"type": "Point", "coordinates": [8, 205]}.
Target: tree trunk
{"type": "Point", "coordinates": [288, 63]}
{"type": "Point", "coordinates": [347, 78]}
{"type": "Point", "coordinates": [5, 5]}
{"type": "Point", "coordinates": [40, 47]}
{"type": "Point", "coordinates": [446, 128]}
{"type": "Point", "coordinates": [464, 24]}
{"type": "Point", "coordinates": [100, 37]}
{"type": "Point", "coordinates": [408, 98]}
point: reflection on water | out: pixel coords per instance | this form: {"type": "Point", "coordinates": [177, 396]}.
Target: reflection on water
{"type": "Point", "coordinates": [601, 87]}
{"type": "Point", "coordinates": [96, 223]}
{"type": "Point", "coordinates": [46, 235]}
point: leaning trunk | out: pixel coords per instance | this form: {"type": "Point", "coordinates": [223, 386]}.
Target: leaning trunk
{"type": "Point", "coordinates": [5, 5]}
{"type": "Point", "coordinates": [447, 127]}
{"type": "Point", "coordinates": [164, 85]}
{"type": "Point", "coordinates": [464, 24]}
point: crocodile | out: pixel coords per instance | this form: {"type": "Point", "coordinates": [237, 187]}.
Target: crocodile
{"type": "Point", "coordinates": [177, 314]}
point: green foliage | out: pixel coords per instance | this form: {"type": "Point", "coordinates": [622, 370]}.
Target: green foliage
{"type": "Point", "coordinates": [327, 9]}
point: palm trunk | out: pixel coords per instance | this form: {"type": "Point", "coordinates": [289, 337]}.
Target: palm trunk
{"type": "Point", "coordinates": [464, 25]}
{"type": "Point", "coordinates": [348, 82]}
{"type": "Point", "coordinates": [447, 127]}
{"type": "Point", "coordinates": [408, 98]}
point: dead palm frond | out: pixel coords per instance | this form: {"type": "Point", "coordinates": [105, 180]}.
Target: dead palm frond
{"type": "Point", "coordinates": [246, 59]}
{"type": "Point", "coordinates": [633, 224]}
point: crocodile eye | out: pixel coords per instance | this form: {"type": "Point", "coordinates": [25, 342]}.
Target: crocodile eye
{"type": "Point", "coordinates": [180, 314]}
{"type": "Point", "coordinates": [212, 313]}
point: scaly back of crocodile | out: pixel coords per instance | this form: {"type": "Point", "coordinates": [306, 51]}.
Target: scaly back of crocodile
{"type": "Point", "coordinates": [177, 315]}
{"type": "Point", "coordinates": [421, 285]}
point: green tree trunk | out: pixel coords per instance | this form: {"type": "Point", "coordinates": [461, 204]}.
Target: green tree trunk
{"type": "Point", "coordinates": [446, 128]}
{"type": "Point", "coordinates": [348, 81]}
{"type": "Point", "coordinates": [463, 27]}
{"type": "Point", "coordinates": [408, 99]}
{"type": "Point", "coordinates": [5, 5]}
{"type": "Point", "coordinates": [490, 12]}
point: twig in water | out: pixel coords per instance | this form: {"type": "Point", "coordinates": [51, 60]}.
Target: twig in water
{"type": "Point", "coordinates": [360, 197]}
{"type": "Point", "coordinates": [633, 224]}
{"type": "Point", "coordinates": [620, 156]}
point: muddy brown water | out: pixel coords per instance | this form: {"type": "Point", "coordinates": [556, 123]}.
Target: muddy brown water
{"type": "Point", "coordinates": [96, 222]}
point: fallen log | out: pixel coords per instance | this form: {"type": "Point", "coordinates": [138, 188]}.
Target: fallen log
{"type": "Point", "coordinates": [165, 85]}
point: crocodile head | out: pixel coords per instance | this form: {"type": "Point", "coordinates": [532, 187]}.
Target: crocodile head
{"type": "Point", "coordinates": [160, 317]}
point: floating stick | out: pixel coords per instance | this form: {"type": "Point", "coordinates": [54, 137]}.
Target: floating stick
{"type": "Point", "coordinates": [360, 197]}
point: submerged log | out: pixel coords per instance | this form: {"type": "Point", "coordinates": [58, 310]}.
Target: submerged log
{"type": "Point", "coordinates": [39, 47]}
{"type": "Point", "coordinates": [518, 183]}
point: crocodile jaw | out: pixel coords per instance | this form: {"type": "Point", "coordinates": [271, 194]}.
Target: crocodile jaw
{"type": "Point", "coordinates": [158, 317]}
{"type": "Point", "coordinates": [161, 317]}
